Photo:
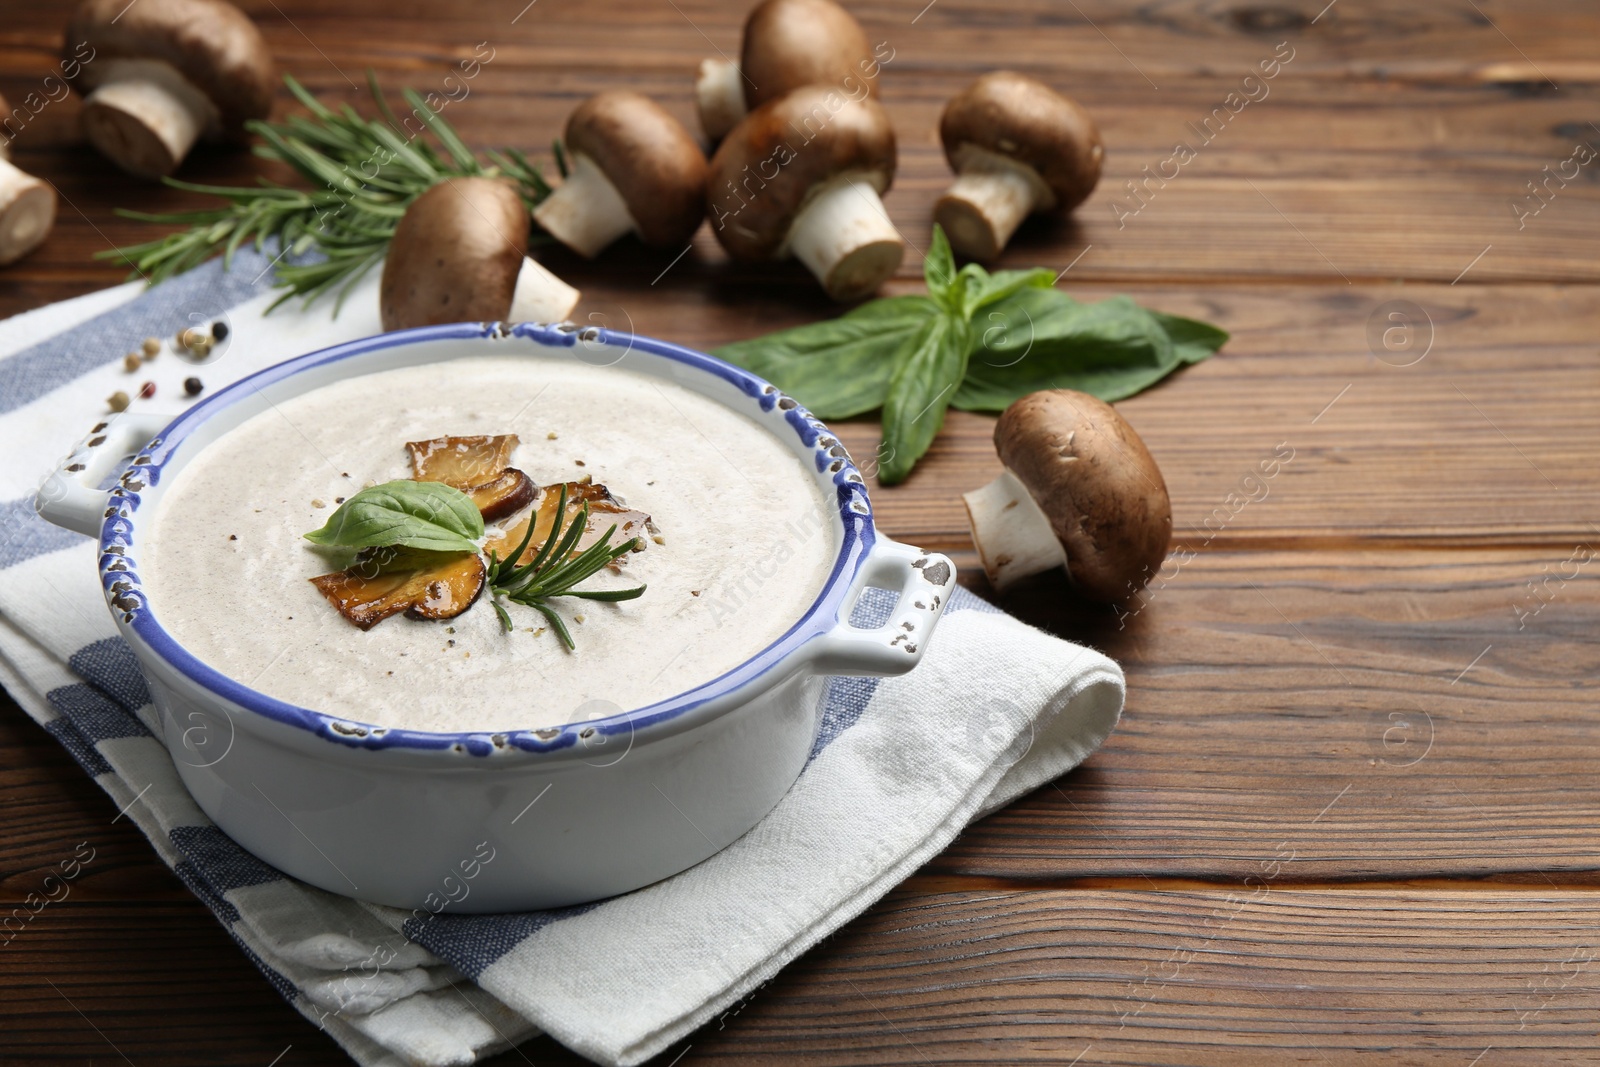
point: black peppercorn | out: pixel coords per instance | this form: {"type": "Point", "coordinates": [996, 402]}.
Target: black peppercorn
{"type": "Point", "coordinates": [192, 386]}
{"type": "Point", "coordinates": [219, 331]}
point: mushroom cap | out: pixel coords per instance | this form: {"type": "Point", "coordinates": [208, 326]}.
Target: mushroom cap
{"type": "Point", "coordinates": [790, 147]}
{"type": "Point", "coordinates": [1013, 115]}
{"type": "Point", "coordinates": [212, 44]}
{"type": "Point", "coordinates": [455, 255]}
{"type": "Point", "coordinates": [654, 163]}
{"type": "Point", "coordinates": [1094, 480]}
{"type": "Point", "coordinates": [790, 43]}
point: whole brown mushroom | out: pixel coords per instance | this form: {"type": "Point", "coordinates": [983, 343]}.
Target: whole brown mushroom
{"type": "Point", "coordinates": [1079, 490]}
{"type": "Point", "coordinates": [459, 255]}
{"type": "Point", "coordinates": [787, 44]}
{"type": "Point", "coordinates": [166, 72]}
{"type": "Point", "coordinates": [1018, 147]}
{"type": "Point", "coordinates": [27, 206]}
{"type": "Point", "coordinates": [804, 176]}
{"type": "Point", "coordinates": [633, 168]}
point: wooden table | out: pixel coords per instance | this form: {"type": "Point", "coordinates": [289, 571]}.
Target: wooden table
{"type": "Point", "coordinates": [1351, 811]}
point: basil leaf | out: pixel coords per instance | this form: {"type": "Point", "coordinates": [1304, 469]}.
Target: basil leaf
{"type": "Point", "coordinates": [928, 371]}
{"type": "Point", "coordinates": [978, 341]}
{"type": "Point", "coordinates": [426, 515]}
{"type": "Point", "coordinates": [983, 288]}
{"type": "Point", "coordinates": [939, 271]}
{"type": "Point", "coordinates": [840, 367]}
{"type": "Point", "coordinates": [1043, 339]}
{"type": "Point", "coordinates": [1194, 340]}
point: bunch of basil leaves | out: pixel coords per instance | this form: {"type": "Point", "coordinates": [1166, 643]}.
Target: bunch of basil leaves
{"type": "Point", "coordinates": [978, 341]}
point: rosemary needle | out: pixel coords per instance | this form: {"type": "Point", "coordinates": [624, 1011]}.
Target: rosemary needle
{"type": "Point", "coordinates": [554, 571]}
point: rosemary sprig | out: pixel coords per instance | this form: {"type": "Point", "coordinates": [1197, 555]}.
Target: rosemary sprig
{"type": "Point", "coordinates": [364, 172]}
{"type": "Point", "coordinates": [554, 571]}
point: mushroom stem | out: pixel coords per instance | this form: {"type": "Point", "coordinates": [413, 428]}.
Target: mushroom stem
{"type": "Point", "coordinates": [586, 212]}
{"type": "Point", "coordinates": [1013, 536]}
{"type": "Point", "coordinates": [27, 211]}
{"type": "Point", "coordinates": [846, 239]}
{"type": "Point", "coordinates": [145, 116]}
{"type": "Point", "coordinates": [989, 200]}
{"type": "Point", "coordinates": [540, 296]}
{"type": "Point", "coordinates": [719, 97]}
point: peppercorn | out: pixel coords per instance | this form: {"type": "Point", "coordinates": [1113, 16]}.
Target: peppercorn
{"type": "Point", "coordinates": [219, 332]}
{"type": "Point", "coordinates": [147, 390]}
{"type": "Point", "coordinates": [192, 386]}
{"type": "Point", "coordinates": [132, 362]}
{"type": "Point", "coordinates": [117, 401]}
{"type": "Point", "coordinates": [152, 347]}
{"type": "Point", "coordinates": [193, 342]}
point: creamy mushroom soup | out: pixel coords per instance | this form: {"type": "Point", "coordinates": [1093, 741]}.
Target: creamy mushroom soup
{"type": "Point", "coordinates": [745, 543]}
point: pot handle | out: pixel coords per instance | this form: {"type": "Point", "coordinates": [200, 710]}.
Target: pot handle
{"type": "Point", "coordinates": [923, 580]}
{"type": "Point", "coordinates": [69, 497]}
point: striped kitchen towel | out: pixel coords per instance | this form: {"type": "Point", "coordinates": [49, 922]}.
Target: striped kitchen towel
{"type": "Point", "coordinates": [997, 706]}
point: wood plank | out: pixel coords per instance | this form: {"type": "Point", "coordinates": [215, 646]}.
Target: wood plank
{"type": "Point", "coordinates": [1187, 978]}
{"type": "Point", "coordinates": [1382, 714]}
{"type": "Point", "coordinates": [1346, 184]}
{"type": "Point", "coordinates": [1256, 976]}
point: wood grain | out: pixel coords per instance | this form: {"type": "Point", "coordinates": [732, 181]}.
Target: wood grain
{"type": "Point", "coordinates": [1333, 705]}
{"type": "Point", "coordinates": [1190, 977]}
{"type": "Point", "coordinates": [1322, 178]}
{"type": "Point", "coordinates": [1389, 714]}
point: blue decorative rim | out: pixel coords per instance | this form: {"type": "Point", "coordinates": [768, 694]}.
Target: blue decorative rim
{"type": "Point", "coordinates": [124, 590]}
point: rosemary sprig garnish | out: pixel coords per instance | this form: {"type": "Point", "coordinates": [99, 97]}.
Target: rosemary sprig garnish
{"type": "Point", "coordinates": [551, 573]}
{"type": "Point", "coordinates": [364, 172]}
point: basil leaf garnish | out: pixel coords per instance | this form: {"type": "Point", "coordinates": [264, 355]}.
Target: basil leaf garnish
{"type": "Point", "coordinates": [425, 515]}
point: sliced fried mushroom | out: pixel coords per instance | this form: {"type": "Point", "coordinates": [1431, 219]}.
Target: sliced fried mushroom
{"type": "Point", "coordinates": [166, 72]}
{"type": "Point", "coordinates": [506, 495]}
{"type": "Point", "coordinates": [634, 169]}
{"type": "Point", "coordinates": [605, 511]}
{"type": "Point", "coordinates": [386, 581]}
{"type": "Point", "coordinates": [463, 462]}
{"type": "Point", "coordinates": [478, 466]}
{"type": "Point", "coordinates": [459, 255]}
{"type": "Point", "coordinates": [803, 175]}
{"type": "Point", "coordinates": [27, 206]}
{"type": "Point", "coordinates": [1018, 147]}
{"type": "Point", "coordinates": [1079, 490]}
{"type": "Point", "coordinates": [787, 44]}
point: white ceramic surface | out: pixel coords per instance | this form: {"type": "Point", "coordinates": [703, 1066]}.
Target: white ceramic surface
{"type": "Point", "coordinates": [572, 814]}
